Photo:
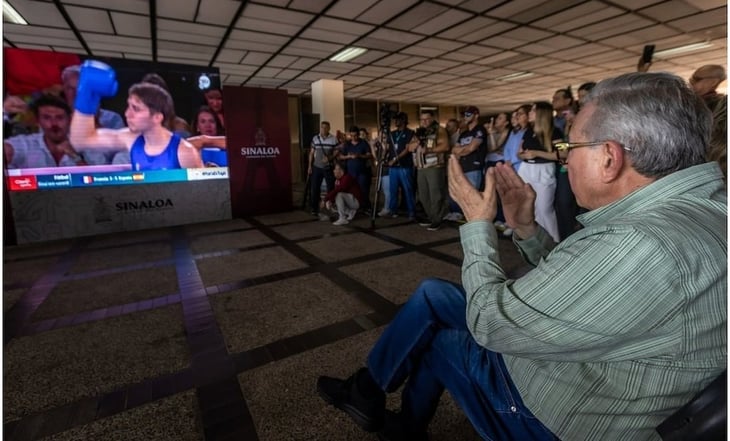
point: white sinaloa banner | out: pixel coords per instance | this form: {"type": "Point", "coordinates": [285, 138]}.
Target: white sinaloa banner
{"type": "Point", "coordinates": [50, 215]}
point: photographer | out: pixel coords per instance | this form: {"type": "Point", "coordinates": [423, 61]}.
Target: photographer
{"type": "Point", "coordinates": [430, 146]}
{"type": "Point", "coordinates": [401, 167]}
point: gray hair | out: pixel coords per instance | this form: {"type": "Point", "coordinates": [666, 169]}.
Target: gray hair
{"type": "Point", "coordinates": [656, 115]}
{"type": "Point", "coordinates": [74, 70]}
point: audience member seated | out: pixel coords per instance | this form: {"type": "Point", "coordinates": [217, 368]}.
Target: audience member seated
{"type": "Point", "coordinates": [50, 147]}
{"type": "Point", "coordinates": [209, 138]}
{"type": "Point", "coordinates": [614, 329]}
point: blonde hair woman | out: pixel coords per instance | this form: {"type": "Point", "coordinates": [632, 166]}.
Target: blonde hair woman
{"type": "Point", "coordinates": [538, 164]}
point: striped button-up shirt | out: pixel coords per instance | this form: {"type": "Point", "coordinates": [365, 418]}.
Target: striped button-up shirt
{"type": "Point", "coordinates": [620, 324]}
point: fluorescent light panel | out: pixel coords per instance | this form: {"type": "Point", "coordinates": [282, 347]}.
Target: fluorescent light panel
{"type": "Point", "coordinates": [515, 76]}
{"type": "Point", "coordinates": [12, 15]}
{"type": "Point", "coordinates": [348, 54]}
{"type": "Point", "coordinates": [682, 49]}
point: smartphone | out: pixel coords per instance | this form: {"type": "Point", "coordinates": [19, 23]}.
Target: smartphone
{"type": "Point", "coordinates": [648, 53]}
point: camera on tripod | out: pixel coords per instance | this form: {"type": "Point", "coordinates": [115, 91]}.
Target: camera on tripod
{"type": "Point", "coordinates": [386, 116]}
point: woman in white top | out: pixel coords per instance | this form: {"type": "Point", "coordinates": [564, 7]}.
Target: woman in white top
{"type": "Point", "coordinates": [538, 166]}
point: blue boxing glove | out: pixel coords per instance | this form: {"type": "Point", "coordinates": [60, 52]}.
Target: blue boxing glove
{"type": "Point", "coordinates": [96, 81]}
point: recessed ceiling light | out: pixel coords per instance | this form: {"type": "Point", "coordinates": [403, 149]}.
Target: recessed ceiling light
{"type": "Point", "coordinates": [348, 54]}
{"type": "Point", "coordinates": [12, 15]}
{"type": "Point", "coordinates": [682, 49]}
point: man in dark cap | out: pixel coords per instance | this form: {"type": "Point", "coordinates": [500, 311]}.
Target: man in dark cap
{"type": "Point", "coordinates": [469, 149]}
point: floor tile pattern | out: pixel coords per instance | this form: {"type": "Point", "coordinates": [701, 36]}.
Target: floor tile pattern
{"type": "Point", "coordinates": [213, 331]}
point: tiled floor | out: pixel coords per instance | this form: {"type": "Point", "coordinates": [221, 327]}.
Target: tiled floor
{"type": "Point", "coordinates": [209, 332]}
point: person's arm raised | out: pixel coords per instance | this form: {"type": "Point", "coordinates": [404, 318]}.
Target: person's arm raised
{"type": "Point", "coordinates": [96, 80]}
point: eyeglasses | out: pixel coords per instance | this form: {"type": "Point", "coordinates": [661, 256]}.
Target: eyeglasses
{"type": "Point", "coordinates": [565, 147]}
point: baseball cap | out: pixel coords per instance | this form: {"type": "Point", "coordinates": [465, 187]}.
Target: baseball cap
{"type": "Point", "coordinates": [471, 109]}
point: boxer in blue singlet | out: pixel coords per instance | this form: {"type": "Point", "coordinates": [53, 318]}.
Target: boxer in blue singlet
{"type": "Point", "coordinates": [166, 160]}
{"type": "Point", "coordinates": [150, 144]}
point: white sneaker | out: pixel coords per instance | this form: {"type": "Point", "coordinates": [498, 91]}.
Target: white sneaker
{"type": "Point", "coordinates": [458, 217]}
{"type": "Point", "coordinates": [351, 214]}
{"type": "Point", "coordinates": [384, 212]}
{"type": "Point", "coordinates": [341, 221]}
{"type": "Point", "coordinates": [500, 226]}
{"type": "Point", "coordinates": [507, 232]}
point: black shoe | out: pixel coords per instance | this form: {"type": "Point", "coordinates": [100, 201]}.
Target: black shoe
{"type": "Point", "coordinates": [368, 412]}
{"type": "Point", "coordinates": [395, 430]}
{"type": "Point", "coordinates": [434, 226]}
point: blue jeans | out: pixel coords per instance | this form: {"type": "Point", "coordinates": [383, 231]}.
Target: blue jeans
{"type": "Point", "coordinates": [429, 344]}
{"type": "Point", "coordinates": [402, 177]}
{"type": "Point", "coordinates": [318, 174]}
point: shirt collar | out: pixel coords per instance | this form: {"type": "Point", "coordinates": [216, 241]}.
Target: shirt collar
{"type": "Point", "coordinates": [668, 187]}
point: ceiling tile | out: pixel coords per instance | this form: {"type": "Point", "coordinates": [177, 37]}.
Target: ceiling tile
{"type": "Point", "coordinates": [251, 46]}
{"type": "Point", "coordinates": [472, 25]}
{"type": "Point", "coordinates": [577, 16]}
{"type": "Point", "coordinates": [267, 27]}
{"type": "Point", "coordinates": [664, 12]}
{"type": "Point", "coordinates": [131, 24]}
{"type": "Point", "coordinates": [383, 11]}
{"type": "Point", "coordinates": [344, 26]}
{"type": "Point", "coordinates": [93, 20]}
{"type": "Point", "coordinates": [452, 17]}
{"type": "Point", "coordinates": [131, 6]}
{"type": "Point", "coordinates": [350, 9]}
{"type": "Point", "coordinates": [541, 10]}
{"type": "Point", "coordinates": [635, 4]}
{"type": "Point", "coordinates": [706, 4]}
{"type": "Point", "coordinates": [187, 38]}
{"type": "Point", "coordinates": [37, 31]}
{"type": "Point", "coordinates": [302, 62]}
{"type": "Point", "coordinates": [331, 36]}
{"type": "Point", "coordinates": [178, 9]}
{"type": "Point", "coordinates": [374, 71]}
{"type": "Point", "coordinates": [422, 51]}
{"type": "Point", "coordinates": [276, 15]}
{"type": "Point", "coordinates": [313, 6]}
{"type": "Point", "coordinates": [613, 26]}
{"type": "Point", "coordinates": [512, 8]}
{"type": "Point", "coordinates": [282, 61]}
{"type": "Point", "coordinates": [417, 15]}
{"type": "Point", "coordinates": [460, 56]}
{"type": "Point", "coordinates": [255, 58]}
{"type": "Point", "coordinates": [702, 20]}
{"type": "Point", "coordinates": [230, 56]}
{"type": "Point", "coordinates": [395, 36]}
{"type": "Point", "coordinates": [217, 12]}
{"type": "Point", "coordinates": [39, 13]}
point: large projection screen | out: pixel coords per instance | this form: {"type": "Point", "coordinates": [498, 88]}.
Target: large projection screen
{"type": "Point", "coordinates": [62, 200]}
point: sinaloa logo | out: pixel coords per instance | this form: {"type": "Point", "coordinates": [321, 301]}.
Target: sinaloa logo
{"type": "Point", "coordinates": [260, 152]}
{"type": "Point", "coordinates": [145, 205]}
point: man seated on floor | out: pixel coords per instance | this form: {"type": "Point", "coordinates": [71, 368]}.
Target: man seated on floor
{"type": "Point", "coordinates": [614, 328]}
{"type": "Point", "coordinates": [346, 197]}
